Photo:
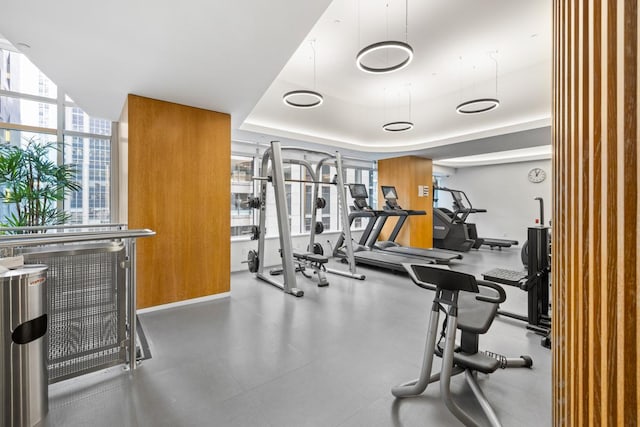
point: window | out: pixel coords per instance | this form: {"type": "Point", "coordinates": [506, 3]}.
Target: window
{"type": "Point", "coordinates": [92, 156]}
{"type": "Point", "coordinates": [298, 196]}
{"type": "Point", "coordinates": [17, 137]}
{"type": "Point", "coordinates": [242, 216]}
{"type": "Point", "coordinates": [29, 98]}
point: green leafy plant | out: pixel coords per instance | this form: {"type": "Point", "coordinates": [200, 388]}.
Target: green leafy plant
{"type": "Point", "coordinates": [34, 184]}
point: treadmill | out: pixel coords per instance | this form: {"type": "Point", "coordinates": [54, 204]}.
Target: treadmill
{"type": "Point", "coordinates": [390, 194]}
{"type": "Point", "coordinates": [363, 254]}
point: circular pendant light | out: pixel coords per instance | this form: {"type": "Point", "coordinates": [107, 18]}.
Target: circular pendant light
{"type": "Point", "coordinates": [302, 99]}
{"type": "Point", "coordinates": [476, 106]}
{"type": "Point", "coordinates": [397, 126]}
{"type": "Point", "coordinates": [481, 105]}
{"type": "Point", "coordinates": [389, 46]}
{"type": "Point", "coordinates": [391, 55]}
{"type": "Point", "coordinates": [305, 98]}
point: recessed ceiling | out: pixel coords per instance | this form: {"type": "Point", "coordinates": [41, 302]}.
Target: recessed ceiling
{"type": "Point", "coordinates": [226, 56]}
{"type": "Point", "coordinates": [454, 42]}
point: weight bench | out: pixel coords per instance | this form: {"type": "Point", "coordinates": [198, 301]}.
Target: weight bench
{"type": "Point", "coordinates": [314, 261]}
{"type": "Point", "coordinates": [304, 260]}
{"type": "Point", "coordinates": [470, 312]}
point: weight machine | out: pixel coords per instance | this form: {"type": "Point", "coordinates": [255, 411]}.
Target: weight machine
{"type": "Point", "coordinates": [535, 281]}
{"type": "Point", "coordinates": [293, 261]}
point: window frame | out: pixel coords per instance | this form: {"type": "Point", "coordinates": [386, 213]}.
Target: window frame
{"type": "Point", "coordinates": [61, 101]}
{"type": "Point", "coordinates": [299, 200]}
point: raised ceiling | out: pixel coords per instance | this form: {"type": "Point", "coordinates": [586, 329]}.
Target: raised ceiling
{"type": "Point", "coordinates": [240, 57]}
{"type": "Point", "coordinates": [453, 41]}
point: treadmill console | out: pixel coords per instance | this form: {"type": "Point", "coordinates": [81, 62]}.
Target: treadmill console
{"type": "Point", "coordinates": [391, 197]}
{"type": "Point", "coordinates": [360, 195]}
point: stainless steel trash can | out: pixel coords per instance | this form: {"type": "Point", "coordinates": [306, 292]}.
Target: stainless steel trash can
{"type": "Point", "coordinates": [24, 396]}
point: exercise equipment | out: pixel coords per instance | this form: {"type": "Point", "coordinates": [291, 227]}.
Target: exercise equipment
{"type": "Point", "coordinates": [295, 261]}
{"type": "Point", "coordinates": [470, 311]}
{"type": "Point", "coordinates": [535, 281]}
{"type": "Point", "coordinates": [255, 232]}
{"type": "Point", "coordinates": [459, 198]}
{"type": "Point", "coordinates": [455, 232]}
{"type": "Point", "coordinates": [308, 260]}
{"type": "Point", "coordinates": [364, 254]}
{"type": "Point", "coordinates": [317, 249]}
{"type": "Point", "coordinates": [253, 202]}
{"type": "Point", "coordinates": [450, 230]}
{"type": "Point", "coordinates": [253, 261]}
{"type": "Point", "coordinates": [391, 204]}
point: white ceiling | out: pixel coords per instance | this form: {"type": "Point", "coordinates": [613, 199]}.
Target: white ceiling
{"type": "Point", "coordinates": [451, 39]}
{"type": "Point", "coordinates": [219, 55]}
{"type": "Point", "coordinates": [226, 56]}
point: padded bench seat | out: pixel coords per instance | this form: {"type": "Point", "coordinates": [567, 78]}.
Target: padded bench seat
{"type": "Point", "coordinates": [478, 362]}
{"type": "Point", "coordinates": [310, 256]}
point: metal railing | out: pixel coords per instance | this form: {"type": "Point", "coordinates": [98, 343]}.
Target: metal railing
{"type": "Point", "coordinates": [91, 293]}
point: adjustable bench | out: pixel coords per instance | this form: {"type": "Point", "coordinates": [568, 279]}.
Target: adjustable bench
{"type": "Point", "coordinates": [314, 261]}
{"type": "Point", "coordinates": [304, 260]}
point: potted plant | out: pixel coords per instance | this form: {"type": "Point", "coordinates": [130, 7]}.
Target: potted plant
{"type": "Point", "coordinates": [34, 184]}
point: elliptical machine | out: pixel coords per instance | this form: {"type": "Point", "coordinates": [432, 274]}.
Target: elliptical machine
{"type": "Point", "coordinates": [450, 230]}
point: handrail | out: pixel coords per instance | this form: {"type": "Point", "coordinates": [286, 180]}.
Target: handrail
{"type": "Point", "coordinates": [61, 227]}
{"type": "Point", "coordinates": [44, 239]}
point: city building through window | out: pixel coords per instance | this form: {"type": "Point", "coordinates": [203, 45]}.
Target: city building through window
{"type": "Point", "coordinates": [29, 103]}
{"type": "Point", "coordinates": [244, 166]}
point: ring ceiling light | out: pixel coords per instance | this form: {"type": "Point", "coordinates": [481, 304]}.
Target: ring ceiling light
{"type": "Point", "coordinates": [302, 99]}
{"type": "Point", "coordinates": [476, 106]}
{"type": "Point", "coordinates": [397, 126]}
{"type": "Point", "coordinates": [481, 105]}
{"type": "Point", "coordinates": [389, 46]}
{"type": "Point", "coordinates": [305, 98]}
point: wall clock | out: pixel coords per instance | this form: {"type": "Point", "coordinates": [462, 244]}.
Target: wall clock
{"type": "Point", "coordinates": [537, 175]}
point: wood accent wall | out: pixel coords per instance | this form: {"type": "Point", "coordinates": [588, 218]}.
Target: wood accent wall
{"type": "Point", "coordinates": [179, 168]}
{"type": "Point", "coordinates": [596, 215]}
{"type": "Point", "coordinates": [406, 174]}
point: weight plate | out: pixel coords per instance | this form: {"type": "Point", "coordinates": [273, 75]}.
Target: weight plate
{"type": "Point", "coordinates": [253, 261]}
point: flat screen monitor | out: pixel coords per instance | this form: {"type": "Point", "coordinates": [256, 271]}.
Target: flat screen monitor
{"type": "Point", "coordinates": [358, 191]}
{"type": "Point", "coordinates": [389, 192]}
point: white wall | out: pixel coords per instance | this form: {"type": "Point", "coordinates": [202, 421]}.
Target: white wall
{"type": "Point", "coordinates": [507, 195]}
{"type": "Point", "coordinates": [240, 248]}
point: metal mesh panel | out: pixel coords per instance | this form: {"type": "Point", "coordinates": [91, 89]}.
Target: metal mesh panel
{"type": "Point", "coordinates": [87, 310]}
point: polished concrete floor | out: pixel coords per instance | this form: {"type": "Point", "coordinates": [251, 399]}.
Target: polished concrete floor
{"type": "Point", "coordinates": [330, 358]}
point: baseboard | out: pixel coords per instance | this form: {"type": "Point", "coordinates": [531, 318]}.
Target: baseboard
{"type": "Point", "coordinates": [183, 303]}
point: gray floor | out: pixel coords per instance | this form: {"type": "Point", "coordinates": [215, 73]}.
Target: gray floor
{"type": "Point", "coordinates": [262, 358]}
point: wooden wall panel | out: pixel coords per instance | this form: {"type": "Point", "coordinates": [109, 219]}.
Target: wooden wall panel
{"type": "Point", "coordinates": [179, 172]}
{"type": "Point", "coordinates": [406, 174]}
{"type": "Point", "coordinates": [596, 231]}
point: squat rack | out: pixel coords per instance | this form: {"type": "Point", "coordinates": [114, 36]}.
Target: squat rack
{"type": "Point", "coordinates": [274, 155]}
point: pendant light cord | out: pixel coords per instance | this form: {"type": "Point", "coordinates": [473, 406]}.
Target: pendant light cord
{"type": "Point", "coordinates": [406, 21]}
{"type": "Point", "coordinates": [359, 41]}
{"type": "Point", "coordinates": [313, 48]}
{"type": "Point", "coordinates": [491, 55]}
{"type": "Point", "coordinates": [409, 89]}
